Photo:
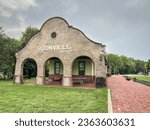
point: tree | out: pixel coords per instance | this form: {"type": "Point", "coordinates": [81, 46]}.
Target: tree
{"type": "Point", "coordinates": [115, 62]}
{"type": "Point", "coordinates": [26, 36]}
{"type": "Point", "coordinates": [2, 32]}
{"type": "Point", "coordinates": [125, 65]}
{"type": "Point", "coordinates": [128, 65]}
{"type": "Point", "coordinates": [140, 66]}
{"type": "Point", "coordinates": [8, 48]}
{"type": "Point", "coordinates": [148, 66]}
{"type": "Point", "coordinates": [30, 68]}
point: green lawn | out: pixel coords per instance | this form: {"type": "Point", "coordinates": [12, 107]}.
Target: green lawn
{"type": "Point", "coordinates": [144, 78]}
{"type": "Point", "coordinates": [25, 98]}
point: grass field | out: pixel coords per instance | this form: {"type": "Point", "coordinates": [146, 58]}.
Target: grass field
{"type": "Point", "coordinates": [25, 98]}
{"type": "Point", "coordinates": [144, 78]}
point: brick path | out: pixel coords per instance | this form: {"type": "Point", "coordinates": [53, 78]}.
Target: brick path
{"type": "Point", "coordinates": [128, 96]}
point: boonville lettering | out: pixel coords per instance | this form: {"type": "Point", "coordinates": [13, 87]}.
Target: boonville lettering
{"type": "Point", "coordinates": [54, 47]}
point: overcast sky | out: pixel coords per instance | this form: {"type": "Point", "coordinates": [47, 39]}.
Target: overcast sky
{"type": "Point", "coordinates": [122, 25]}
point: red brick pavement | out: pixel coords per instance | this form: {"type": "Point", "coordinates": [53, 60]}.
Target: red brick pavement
{"type": "Point", "coordinates": [128, 96]}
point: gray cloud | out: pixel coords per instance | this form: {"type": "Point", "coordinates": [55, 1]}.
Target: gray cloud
{"type": "Point", "coordinates": [8, 7]}
{"type": "Point", "coordinates": [123, 25]}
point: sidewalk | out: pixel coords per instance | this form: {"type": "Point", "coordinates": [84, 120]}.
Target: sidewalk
{"type": "Point", "coordinates": [128, 96]}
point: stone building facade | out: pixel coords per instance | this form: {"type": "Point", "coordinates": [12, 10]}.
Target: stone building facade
{"type": "Point", "coordinates": [71, 56]}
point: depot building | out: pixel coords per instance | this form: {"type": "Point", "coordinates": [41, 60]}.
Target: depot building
{"type": "Point", "coordinates": [71, 57]}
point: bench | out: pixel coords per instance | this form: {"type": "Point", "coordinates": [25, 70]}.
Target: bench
{"type": "Point", "coordinates": [79, 80]}
{"type": "Point", "coordinates": [55, 79]}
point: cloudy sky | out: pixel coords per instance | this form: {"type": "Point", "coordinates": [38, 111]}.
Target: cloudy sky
{"type": "Point", "coordinates": [122, 25]}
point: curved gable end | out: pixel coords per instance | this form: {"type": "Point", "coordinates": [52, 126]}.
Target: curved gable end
{"type": "Point", "coordinates": [57, 38]}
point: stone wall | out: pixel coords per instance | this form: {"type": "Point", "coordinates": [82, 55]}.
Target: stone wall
{"type": "Point", "coordinates": [57, 38]}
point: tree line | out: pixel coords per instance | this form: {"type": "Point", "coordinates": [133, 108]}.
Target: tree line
{"type": "Point", "coordinates": [9, 47]}
{"type": "Point", "coordinates": [125, 65]}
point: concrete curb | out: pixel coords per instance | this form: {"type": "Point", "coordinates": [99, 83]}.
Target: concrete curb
{"type": "Point", "coordinates": [110, 110]}
{"type": "Point", "coordinates": [143, 82]}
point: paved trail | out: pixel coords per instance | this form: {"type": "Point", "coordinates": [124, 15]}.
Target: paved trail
{"type": "Point", "coordinates": [128, 96]}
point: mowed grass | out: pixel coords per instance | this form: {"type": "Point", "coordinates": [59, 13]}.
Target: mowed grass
{"type": "Point", "coordinates": [144, 78]}
{"type": "Point", "coordinates": [27, 99]}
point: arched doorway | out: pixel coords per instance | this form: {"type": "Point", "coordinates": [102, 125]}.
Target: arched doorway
{"type": "Point", "coordinates": [29, 71]}
{"type": "Point", "coordinates": [53, 71]}
{"type": "Point", "coordinates": [83, 71]}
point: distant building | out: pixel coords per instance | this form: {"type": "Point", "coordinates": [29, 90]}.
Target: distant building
{"type": "Point", "coordinates": [71, 56]}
